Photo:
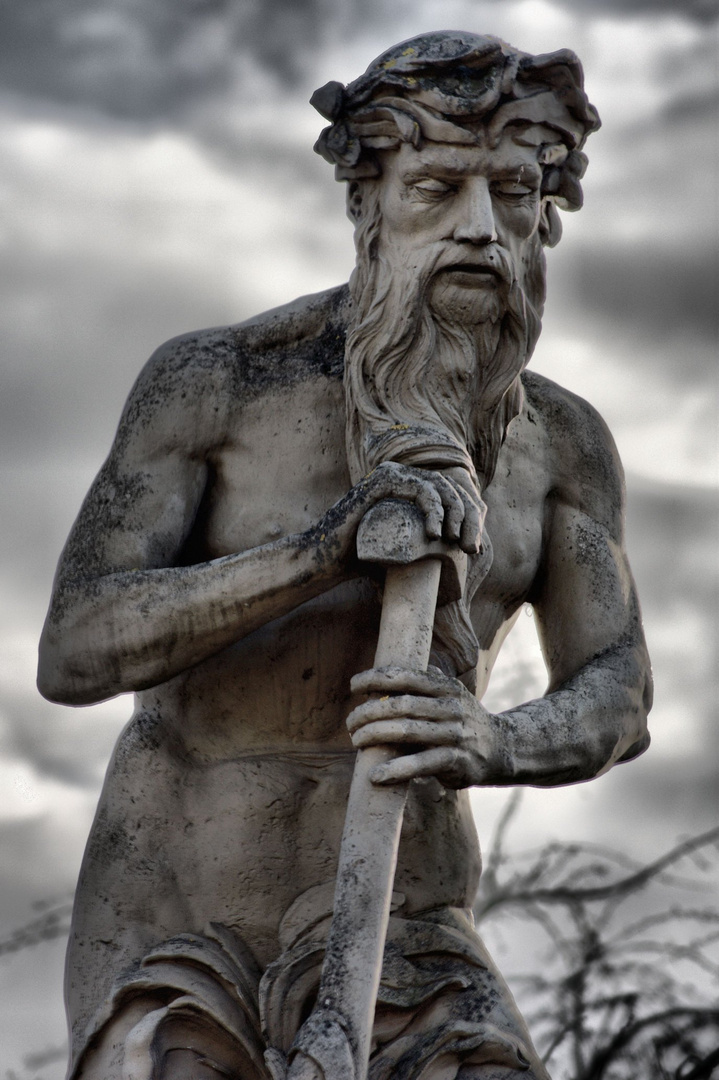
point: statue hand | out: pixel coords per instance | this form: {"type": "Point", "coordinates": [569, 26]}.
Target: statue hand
{"type": "Point", "coordinates": [453, 510]}
{"type": "Point", "coordinates": [440, 727]}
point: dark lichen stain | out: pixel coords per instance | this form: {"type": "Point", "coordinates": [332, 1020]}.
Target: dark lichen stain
{"type": "Point", "coordinates": [277, 353]}
{"type": "Point", "coordinates": [110, 842]}
{"type": "Point", "coordinates": [582, 459]}
{"type": "Point", "coordinates": [105, 510]}
{"type": "Point", "coordinates": [147, 732]}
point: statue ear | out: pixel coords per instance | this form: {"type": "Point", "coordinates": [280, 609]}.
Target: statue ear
{"type": "Point", "coordinates": [550, 224]}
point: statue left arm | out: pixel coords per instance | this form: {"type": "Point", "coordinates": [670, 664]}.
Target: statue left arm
{"type": "Point", "coordinates": [589, 622]}
{"type": "Point", "coordinates": [600, 689]}
{"type": "Point", "coordinates": [594, 712]}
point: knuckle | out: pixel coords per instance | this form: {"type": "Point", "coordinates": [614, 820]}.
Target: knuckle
{"type": "Point", "coordinates": [401, 706]}
{"type": "Point", "coordinates": [456, 710]}
{"type": "Point", "coordinates": [429, 495]}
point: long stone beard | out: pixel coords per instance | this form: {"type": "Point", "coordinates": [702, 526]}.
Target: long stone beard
{"type": "Point", "coordinates": [424, 389]}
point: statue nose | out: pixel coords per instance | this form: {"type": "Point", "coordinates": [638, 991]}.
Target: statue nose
{"type": "Point", "coordinates": [476, 224]}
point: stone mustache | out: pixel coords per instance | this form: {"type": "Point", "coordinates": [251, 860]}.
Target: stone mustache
{"type": "Point", "coordinates": [303, 553]}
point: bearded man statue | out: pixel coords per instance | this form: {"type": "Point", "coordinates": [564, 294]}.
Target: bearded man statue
{"type": "Point", "coordinates": [213, 571]}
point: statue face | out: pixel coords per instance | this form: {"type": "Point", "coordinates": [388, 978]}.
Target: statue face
{"type": "Point", "coordinates": [458, 204]}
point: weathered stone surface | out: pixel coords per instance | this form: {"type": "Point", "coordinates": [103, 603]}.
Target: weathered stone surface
{"type": "Point", "coordinates": [281, 664]}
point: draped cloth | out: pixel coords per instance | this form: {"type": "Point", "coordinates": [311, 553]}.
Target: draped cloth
{"type": "Point", "coordinates": [443, 1010]}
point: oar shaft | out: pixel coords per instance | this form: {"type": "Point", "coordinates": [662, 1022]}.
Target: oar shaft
{"type": "Point", "coordinates": [368, 855]}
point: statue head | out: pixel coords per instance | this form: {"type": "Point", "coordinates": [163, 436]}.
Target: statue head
{"type": "Point", "coordinates": [457, 150]}
{"type": "Point", "coordinates": [461, 89]}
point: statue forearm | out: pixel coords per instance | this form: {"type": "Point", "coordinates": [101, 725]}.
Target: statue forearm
{"type": "Point", "coordinates": [134, 629]}
{"type": "Point", "coordinates": [581, 729]}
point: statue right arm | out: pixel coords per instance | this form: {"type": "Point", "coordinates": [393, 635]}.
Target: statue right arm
{"type": "Point", "coordinates": [124, 616]}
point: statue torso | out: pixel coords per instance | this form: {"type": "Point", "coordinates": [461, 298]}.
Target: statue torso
{"type": "Point", "coordinates": [225, 800]}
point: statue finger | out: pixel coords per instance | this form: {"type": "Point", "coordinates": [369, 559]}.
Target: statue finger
{"type": "Point", "coordinates": [438, 500]}
{"type": "Point", "coordinates": [396, 680]}
{"type": "Point", "coordinates": [454, 508]}
{"type": "Point", "coordinates": [404, 706]}
{"type": "Point", "coordinates": [471, 533]}
{"type": "Point", "coordinates": [404, 731]}
{"type": "Point", "coordinates": [439, 761]}
{"type": "Point", "coordinates": [427, 498]}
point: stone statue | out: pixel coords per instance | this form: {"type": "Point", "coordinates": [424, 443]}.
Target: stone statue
{"type": "Point", "coordinates": [214, 571]}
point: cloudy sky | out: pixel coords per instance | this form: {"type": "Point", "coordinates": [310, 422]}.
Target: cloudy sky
{"type": "Point", "coordinates": [158, 176]}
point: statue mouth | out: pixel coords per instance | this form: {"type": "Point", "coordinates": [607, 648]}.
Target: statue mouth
{"type": "Point", "coordinates": [472, 275]}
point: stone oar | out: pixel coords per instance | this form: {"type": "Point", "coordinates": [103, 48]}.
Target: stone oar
{"type": "Point", "coordinates": [334, 1044]}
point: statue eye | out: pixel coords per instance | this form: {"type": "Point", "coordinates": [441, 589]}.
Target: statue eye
{"type": "Point", "coordinates": [430, 188]}
{"type": "Point", "coordinates": [513, 190]}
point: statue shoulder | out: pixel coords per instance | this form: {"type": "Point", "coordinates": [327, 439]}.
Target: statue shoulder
{"type": "Point", "coordinates": [287, 344]}
{"type": "Point", "coordinates": [195, 382]}
{"type": "Point", "coordinates": [582, 457]}
{"type": "Point", "coordinates": [281, 345]}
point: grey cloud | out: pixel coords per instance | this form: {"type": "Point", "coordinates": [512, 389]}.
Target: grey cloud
{"type": "Point", "coordinates": [31, 868]}
{"type": "Point", "coordinates": [60, 744]}
{"type": "Point", "coordinates": [144, 61]}
{"type": "Point", "coordinates": [655, 802]}
{"type": "Point", "coordinates": [694, 107]}
{"type": "Point", "coordinates": [671, 534]}
{"type": "Point", "coordinates": [133, 60]}
{"type": "Point", "coordinates": [702, 11]}
{"type": "Point", "coordinates": [688, 69]}
{"type": "Point", "coordinates": [662, 289]}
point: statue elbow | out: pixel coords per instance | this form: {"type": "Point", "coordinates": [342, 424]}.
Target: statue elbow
{"type": "Point", "coordinates": [636, 749]}
{"type": "Point", "coordinates": [635, 737]}
{"type": "Point", "coordinates": [53, 686]}
{"type": "Point", "coordinates": [60, 678]}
